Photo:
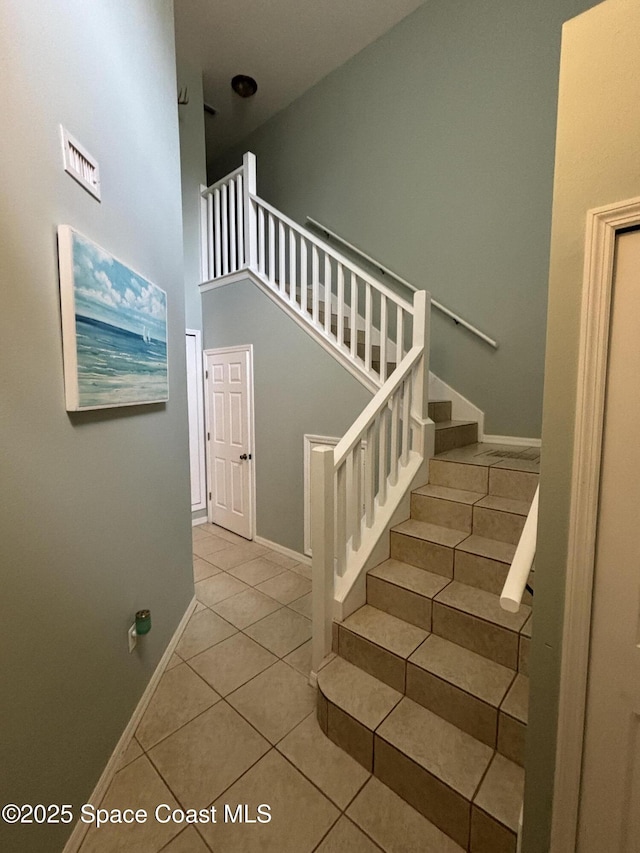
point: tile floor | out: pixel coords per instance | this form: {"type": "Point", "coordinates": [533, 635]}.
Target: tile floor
{"type": "Point", "coordinates": [233, 722]}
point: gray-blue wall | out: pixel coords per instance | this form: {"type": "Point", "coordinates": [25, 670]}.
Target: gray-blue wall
{"type": "Point", "coordinates": [298, 387]}
{"type": "Point", "coordinates": [94, 516]}
{"type": "Point", "coordinates": [432, 150]}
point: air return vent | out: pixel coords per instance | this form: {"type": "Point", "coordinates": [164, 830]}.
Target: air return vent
{"type": "Point", "coordinates": [80, 164]}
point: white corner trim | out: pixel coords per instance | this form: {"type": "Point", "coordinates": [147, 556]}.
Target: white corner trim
{"type": "Point", "coordinates": [600, 243]}
{"type": "Point", "coordinates": [231, 278]}
{"type": "Point", "coordinates": [461, 408]}
{"type": "Point", "coordinates": [80, 829]}
{"type": "Point", "coordinates": [515, 440]}
{"type": "Point", "coordinates": [281, 549]}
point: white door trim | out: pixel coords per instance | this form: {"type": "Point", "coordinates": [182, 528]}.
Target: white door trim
{"type": "Point", "coordinates": [247, 348]}
{"type": "Point", "coordinates": [201, 502]}
{"type": "Point", "coordinates": [600, 244]}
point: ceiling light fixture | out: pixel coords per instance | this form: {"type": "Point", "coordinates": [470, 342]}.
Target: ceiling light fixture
{"type": "Point", "coordinates": [244, 86]}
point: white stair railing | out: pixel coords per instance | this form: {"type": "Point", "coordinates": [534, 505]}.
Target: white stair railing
{"type": "Point", "coordinates": [358, 316]}
{"type": "Point", "coordinates": [516, 582]}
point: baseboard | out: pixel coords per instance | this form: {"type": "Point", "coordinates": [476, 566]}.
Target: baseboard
{"type": "Point", "coordinates": [80, 829]}
{"type": "Point", "coordinates": [196, 521]}
{"type": "Point", "coordinates": [288, 552]}
{"type": "Point", "coordinates": [515, 440]}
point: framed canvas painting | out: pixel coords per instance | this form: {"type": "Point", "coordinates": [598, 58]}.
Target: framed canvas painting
{"type": "Point", "coordinates": [114, 329]}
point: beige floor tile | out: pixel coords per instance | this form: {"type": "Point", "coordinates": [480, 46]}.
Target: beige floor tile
{"type": "Point", "coordinates": [205, 629]}
{"type": "Point", "coordinates": [187, 842]}
{"type": "Point", "coordinates": [302, 605]}
{"type": "Point", "coordinates": [228, 535]}
{"type": "Point", "coordinates": [213, 590]}
{"type": "Point", "coordinates": [210, 545]}
{"type": "Point", "coordinates": [300, 659]}
{"type": "Point", "coordinates": [285, 587]}
{"type": "Point", "coordinates": [174, 660]}
{"type": "Point", "coordinates": [207, 755]}
{"type": "Point", "coordinates": [281, 632]}
{"type": "Point", "coordinates": [199, 607]}
{"type": "Point", "coordinates": [203, 569]}
{"type": "Point", "coordinates": [345, 837]}
{"type": "Point", "coordinates": [136, 786]}
{"type": "Point", "coordinates": [275, 701]}
{"type": "Point", "coordinates": [231, 663]}
{"type": "Point", "coordinates": [300, 814]}
{"type": "Point", "coordinates": [180, 696]}
{"type": "Point", "coordinates": [394, 825]}
{"type": "Point", "coordinates": [234, 555]}
{"type": "Point", "coordinates": [133, 751]}
{"type": "Point", "coordinates": [256, 571]}
{"type": "Point", "coordinates": [302, 569]}
{"type": "Point", "coordinates": [280, 559]}
{"type": "Point", "coordinates": [246, 607]}
{"type": "Point", "coordinates": [325, 764]}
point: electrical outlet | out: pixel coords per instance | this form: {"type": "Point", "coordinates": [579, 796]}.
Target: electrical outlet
{"type": "Point", "coordinates": [132, 636]}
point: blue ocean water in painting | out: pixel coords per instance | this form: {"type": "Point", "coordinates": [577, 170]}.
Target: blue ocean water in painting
{"type": "Point", "coordinates": [121, 331]}
{"type": "Point", "coordinates": [118, 366]}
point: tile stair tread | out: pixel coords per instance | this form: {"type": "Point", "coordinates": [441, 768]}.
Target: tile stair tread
{"type": "Point", "coordinates": [388, 632]}
{"type": "Point", "coordinates": [516, 702]}
{"type": "Point", "coordinates": [356, 693]}
{"type": "Point", "coordinates": [505, 505]}
{"type": "Point", "coordinates": [431, 532]}
{"type": "Point", "coordinates": [410, 577]}
{"type": "Point", "coordinates": [477, 675]}
{"type": "Point", "coordinates": [452, 424]}
{"type": "Point", "coordinates": [494, 549]}
{"type": "Point", "coordinates": [526, 628]}
{"type": "Point", "coordinates": [445, 751]}
{"type": "Point", "coordinates": [502, 791]}
{"type": "Point", "coordinates": [446, 493]}
{"type": "Point", "coordinates": [483, 605]}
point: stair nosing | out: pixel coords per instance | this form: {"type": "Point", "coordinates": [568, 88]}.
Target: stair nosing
{"type": "Point", "coordinates": [464, 534]}
{"type": "Point", "coordinates": [376, 642]}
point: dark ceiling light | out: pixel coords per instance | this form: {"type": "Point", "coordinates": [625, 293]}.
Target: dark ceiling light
{"type": "Point", "coordinates": [244, 86]}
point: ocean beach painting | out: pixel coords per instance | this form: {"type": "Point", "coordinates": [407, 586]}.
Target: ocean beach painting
{"type": "Point", "coordinates": [114, 329]}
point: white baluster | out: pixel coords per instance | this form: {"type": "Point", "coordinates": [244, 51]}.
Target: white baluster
{"type": "Point", "coordinates": [282, 259]}
{"type": "Point", "coordinates": [217, 232]}
{"type": "Point", "coordinates": [357, 497]}
{"type": "Point", "coordinates": [327, 294]}
{"type": "Point", "coordinates": [406, 422]}
{"type": "Point", "coordinates": [383, 337]}
{"type": "Point", "coordinates": [315, 284]}
{"type": "Point", "coordinates": [369, 475]}
{"type": "Point", "coordinates": [272, 249]}
{"type": "Point", "coordinates": [341, 520]}
{"type": "Point", "coordinates": [395, 430]}
{"type": "Point", "coordinates": [383, 433]}
{"type": "Point", "coordinates": [233, 266]}
{"type": "Point", "coordinates": [250, 210]}
{"type": "Point", "coordinates": [399, 334]}
{"type": "Point", "coordinates": [224, 216]}
{"type": "Point", "coordinates": [368, 327]}
{"type": "Point", "coordinates": [354, 316]}
{"type": "Point", "coordinates": [303, 275]}
{"type": "Point", "coordinates": [293, 278]}
{"type": "Point", "coordinates": [340, 309]}
{"type": "Point", "coordinates": [322, 544]}
{"type": "Point", "coordinates": [421, 321]}
{"type": "Point", "coordinates": [240, 220]}
{"type": "Point", "coordinates": [211, 269]}
{"type": "Point", "coordinates": [262, 263]}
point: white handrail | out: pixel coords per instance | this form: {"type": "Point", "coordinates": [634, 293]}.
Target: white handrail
{"type": "Point", "coordinates": [442, 308]}
{"type": "Point", "coordinates": [516, 581]}
{"type": "Point", "coordinates": [204, 192]}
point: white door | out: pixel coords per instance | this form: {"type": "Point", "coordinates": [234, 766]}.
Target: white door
{"type": "Point", "coordinates": [195, 410]}
{"type": "Point", "coordinates": [609, 817]}
{"type": "Point", "coordinates": [229, 438]}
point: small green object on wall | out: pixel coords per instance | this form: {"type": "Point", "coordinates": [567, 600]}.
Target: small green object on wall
{"type": "Point", "coordinates": [143, 622]}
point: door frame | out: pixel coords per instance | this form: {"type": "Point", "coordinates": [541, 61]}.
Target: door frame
{"type": "Point", "coordinates": [603, 225]}
{"type": "Point", "coordinates": [206, 355]}
{"type": "Point", "coordinates": [196, 334]}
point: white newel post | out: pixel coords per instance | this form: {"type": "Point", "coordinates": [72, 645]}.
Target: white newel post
{"type": "Point", "coordinates": [250, 213]}
{"type": "Point", "coordinates": [204, 238]}
{"type": "Point", "coordinates": [420, 390]}
{"type": "Point", "coordinates": [322, 544]}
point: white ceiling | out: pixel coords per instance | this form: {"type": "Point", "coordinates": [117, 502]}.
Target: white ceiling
{"type": "Point", "coordinates": [286, 45]}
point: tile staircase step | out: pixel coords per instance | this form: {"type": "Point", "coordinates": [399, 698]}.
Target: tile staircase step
{"type": "Point", "coordinates": [440, 511]}
{"type": "Point", "coordinates": [433, 765]}
{"type": "Point", "coordinates": [459, 685]}
{"type": "Point", "coordinates": [515, 485]}
{"type": "Point", "coordinates": [474, 619]}
{"type": "Point", "coordinates": [496, 807]}
{"type": "Point", "coordinates": [512, 721]}
{"type": "Point", "coordinates": [440, 410]}
{"type": "Point", "coordinates": [523, 649]}
{"type": "Point", "coordinates": [454, 434]}
{"type": "Point", "coordinates": [497, 524]}
{"type": "Point", "coordinates": [404, 591]}
{"type": "Point", "coordinates": [446, 493]}
{"type": "Point", "coordinates": [493, 549]}
{"type": "Point", "coordinates": [428, 546]}
{"type": "Point", "coordinates": [516, 507]}
{"type": "Point", "coordinates": [379, 644]}
{"type": "Point", "coordinates": [351, 706]}
{"type": "Point", "coordinates": [459, 475]}
{"type": "Point", "coordinates": [482, 572]}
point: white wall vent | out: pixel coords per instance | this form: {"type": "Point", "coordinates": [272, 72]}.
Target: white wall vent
{"type": "Point", "coordinates": [80, 164]}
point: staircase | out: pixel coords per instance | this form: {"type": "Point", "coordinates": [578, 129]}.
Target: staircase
{"type": "Point", "coordinates": [428, 686]}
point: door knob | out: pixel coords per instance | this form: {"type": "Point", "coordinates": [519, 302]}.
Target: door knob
{"type": "Point", "coordinates": [244, 456]}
